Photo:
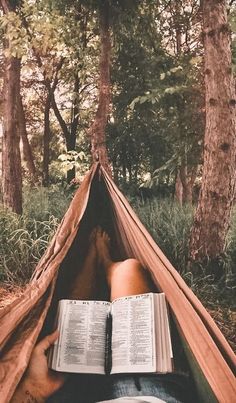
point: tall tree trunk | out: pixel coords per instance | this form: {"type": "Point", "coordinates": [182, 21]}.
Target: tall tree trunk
{"type": "Point", "coordinates": [212, 217]}
{"type": "Point", "coordinates": [97, 130]}
{"type": "Point", "coordinates": [46, 141]}
{"type": "Point", "coordinates": [71, 138]}
{"type": "Point", "coordinates": [11, 161]}
{"type": "Point", "coordinates": [27, 151]}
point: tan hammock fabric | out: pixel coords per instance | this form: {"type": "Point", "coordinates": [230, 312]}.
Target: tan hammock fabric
{"type": "Point", "coordinates": [211, 359]}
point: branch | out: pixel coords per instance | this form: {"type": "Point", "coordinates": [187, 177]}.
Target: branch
{"type": "Point", "coordinates": [6, 6]}
{"type": "Point", "coordinates": [58, 115]}
{"type": "Point", "coordinates": [58, 68]}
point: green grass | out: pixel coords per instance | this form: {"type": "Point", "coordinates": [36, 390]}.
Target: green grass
{"type": "Point", "coordinates": [170, 225]}
{"type": "Point", "coordinates": [24, 239]}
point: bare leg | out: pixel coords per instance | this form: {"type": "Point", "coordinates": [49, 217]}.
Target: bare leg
{"type": "Point", "coordinates": [128, 278]}
{"type": "Point", "coordinates": [84, 286]}
{"type": "Point", "coordinates": [124, 278]}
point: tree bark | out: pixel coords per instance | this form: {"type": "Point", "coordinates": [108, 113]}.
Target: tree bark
{"type": "Point", "coordinates": [212, 217]}
{"type": "Point", "coordinates": [71, 141]}
{"type": "Point", "coordinates": [27, 151]}
{"type": "Point", "coordinates": [188, 176]}
{"type": "Point", "coordinates": [11, 161]}
{"type": "Point", "coordinates": [97, 130]}
{"type": "Point", "coordinates": [46, 141]}
{"type": "Point", "coordinates": [178, 188]}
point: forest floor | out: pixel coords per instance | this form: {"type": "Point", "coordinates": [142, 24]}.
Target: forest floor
{"type": "Point", "coordinates": [224, 316]}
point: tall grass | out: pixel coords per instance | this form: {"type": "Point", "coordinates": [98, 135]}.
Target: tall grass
{"type": "Point", "coordinates": [23, 239]}
{"type": "Point", "coordinates": [170, 226]}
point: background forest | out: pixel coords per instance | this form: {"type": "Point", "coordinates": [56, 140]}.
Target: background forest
{"type": "Point", "coordinates": [147, 88]}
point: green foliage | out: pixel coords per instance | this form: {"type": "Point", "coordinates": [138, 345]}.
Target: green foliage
{"type": "Point", "coordinates": [23, 242]}
{"type": "Point", "coordinates": [170, 225]}
{"type": "Point", "coordinates": [15, 34]}
{"type": "Point", "coordinates": [42, 203]}
{"type": "Point", "coordinates": [75, 159]}
{"type": "Point", "coordinates": [157, 93]}
{"type": "Point", "coordinates": [24, 239]}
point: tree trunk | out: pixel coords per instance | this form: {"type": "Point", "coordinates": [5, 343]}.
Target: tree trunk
{"type": "Point", "coordinates": [11, 161]}
{"type": "Point", "coordinates": [178, 188]}
{"type": "Point", "coordinates": [212, 217]}
{"type": "Point", "coordinates": [71, 138]}
{"type": "Point", "coordinates": [46, 141]}
{"type": "Point", "coordinates": [187, 176]}
{"type": "Point", "coordinates": [97, 130]}
{"type": "Point", "coordinates": [69, 135]}
{"type": "Point", "coordinates": [27, 151]}
{"type": "Point", "coordinates": [70, 146]}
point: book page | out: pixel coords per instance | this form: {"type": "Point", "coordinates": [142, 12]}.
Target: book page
{"type": "Point", "coordinates": [164, 352]}
{"type": "Point", "coordinates": [133, 334]}
{"type": "Point", "coordinates": [82, 339]}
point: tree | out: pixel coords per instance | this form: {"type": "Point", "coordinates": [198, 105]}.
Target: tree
{"type": "Point", "coordinates": [97, 129]}
{"type": "Point", "coordinates": [212, 217]}
{"type": "Point", "coordinates": [162, 129]}
{"type": "Point", "coordinates": [27, 150]}
{"type": "Point", "coordinates": [11, 161]}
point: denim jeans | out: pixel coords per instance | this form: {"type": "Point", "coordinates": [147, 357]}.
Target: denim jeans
{"type": "Point", "coordinates": [172, 388]}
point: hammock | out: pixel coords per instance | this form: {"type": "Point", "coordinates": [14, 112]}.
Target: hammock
{"type": "Point", "coordinates": [30, 316]}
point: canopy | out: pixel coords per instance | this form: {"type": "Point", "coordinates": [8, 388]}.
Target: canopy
{"type": "Point", "coordinates": [98, 201]}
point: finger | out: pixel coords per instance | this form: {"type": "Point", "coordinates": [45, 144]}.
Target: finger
{"type": "Point", "coordinates": [44, 344]}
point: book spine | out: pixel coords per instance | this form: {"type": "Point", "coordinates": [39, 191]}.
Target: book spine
{"type": "Point", "coordinates": [108, 352]}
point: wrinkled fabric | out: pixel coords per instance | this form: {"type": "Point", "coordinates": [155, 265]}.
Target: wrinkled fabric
{"type": "Point", "coordinates": [210, 356]}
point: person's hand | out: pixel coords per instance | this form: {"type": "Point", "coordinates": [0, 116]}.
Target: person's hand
{"type": "Point", "coordinates": [39, 382]}
{"type": "Point", "coordinates": [44, 380]}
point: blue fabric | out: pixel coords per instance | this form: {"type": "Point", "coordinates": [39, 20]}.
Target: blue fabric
{"type": "Point", "coordinates": [172, 388]}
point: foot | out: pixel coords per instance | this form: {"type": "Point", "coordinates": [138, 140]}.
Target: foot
{"type": "Point", "coordinates": [103, 253]}
{"type": "Point", "coordinates": [103, 248]}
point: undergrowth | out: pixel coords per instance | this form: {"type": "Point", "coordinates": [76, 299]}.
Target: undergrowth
{"type": "Point", "coordinates": [23, 239]}
{"type": "Point", "coordinates": [170, 225]}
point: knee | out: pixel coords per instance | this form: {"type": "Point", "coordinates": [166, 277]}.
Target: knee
{"type": "Point", "coordinates": [132, 264]}
{"type": "Point", "coordinates": [128, 269]}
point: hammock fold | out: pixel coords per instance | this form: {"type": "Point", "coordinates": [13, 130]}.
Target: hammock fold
{"type": "Point", "coordinates": [210, 357]}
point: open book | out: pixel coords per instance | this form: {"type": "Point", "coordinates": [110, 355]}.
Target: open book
{"type": "Point", "coordinates": [131, 334]}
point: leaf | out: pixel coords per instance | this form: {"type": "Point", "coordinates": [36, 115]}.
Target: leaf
{"type": "Point", "coordinates": [143, 99]}
{"type": "Point", "coordinates": [132, 105]}
{"type": "Point", "coordinates": [195, 60]}
{"type": "Point", "coordinates": [162, 76]}
{"type": "Point", "coordinates": [170, 90]}
{"type": "Point", "coordinates": [24, 59]}
{"type": "Point", "coordinates": [176, 69]}
{"type": "Point", "coordinates": [62, 157]}
{"type": "Point", "coordinates": [25, 69]}
{"type": "Point", "coordinates": [81, 155]}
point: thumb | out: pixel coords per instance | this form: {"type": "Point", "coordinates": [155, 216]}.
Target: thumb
{"type": "Point", "coordinates": [44, 344]}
